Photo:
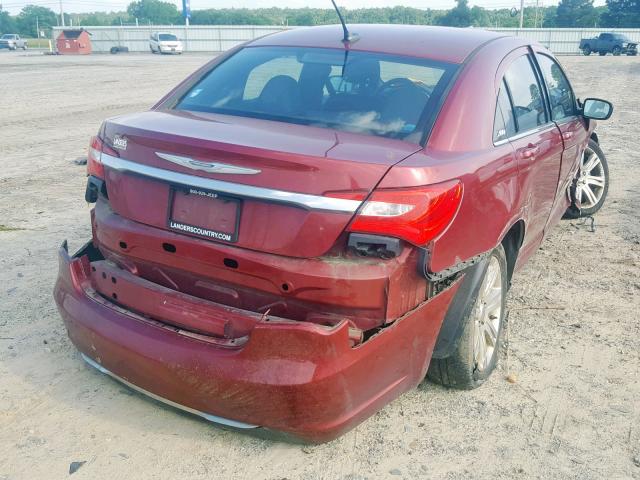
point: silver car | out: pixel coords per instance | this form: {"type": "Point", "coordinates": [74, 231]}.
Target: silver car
{"type": "Point", "coordinates": [12, 41]}
{"type": "Point", "coordinates": [162, 42]}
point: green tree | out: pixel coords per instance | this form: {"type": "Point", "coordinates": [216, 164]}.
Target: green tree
{"type": "Point", "coordinates": [26, 20]}
{"type": "Point", "coordinates": [458, 16]}
{"type": "Point", "coordinates": [576, 13]}
{"type": "Point", "coordinates": [154, 11]}
{"type": "Point", "coordinates": [7, 23]}
{"type": "Point", "coordinates": [622, 13]}
{"type": "Point", "coordinates": [480, 17]}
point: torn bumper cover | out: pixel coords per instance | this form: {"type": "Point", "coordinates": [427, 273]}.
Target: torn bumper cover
{"type": "Point", "coordinates": [296, 377]}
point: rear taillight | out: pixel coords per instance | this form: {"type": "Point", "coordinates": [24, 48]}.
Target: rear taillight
{"type": "Point", "coordinates": [94, 158]}
{"type": "Point", "coordinates": [94, 162]}
{"type": "Point", "coordinates": [416, 214]}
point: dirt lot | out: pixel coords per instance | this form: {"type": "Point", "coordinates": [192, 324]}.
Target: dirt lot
{"type": "Point", "coordinates": [574, 411]}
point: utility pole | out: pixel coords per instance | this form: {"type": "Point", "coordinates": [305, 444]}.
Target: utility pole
{"type": "Point", "coordinates": [535, 22]}
{"type": "Point", "coordinates": [521, 12]}
{"type": "Point", "coordinates": [61, 14]}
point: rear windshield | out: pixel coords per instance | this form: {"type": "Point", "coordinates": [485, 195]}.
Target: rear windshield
{"type": "Point", "coordinates": [167, 37]}
{"type": "Point", "coordinates": [371, 93]}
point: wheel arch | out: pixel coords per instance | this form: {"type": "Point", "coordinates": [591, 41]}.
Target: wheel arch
{"type": "Point", "coordinates": [511, 242]}
{"type": "Point", "coordinates": [451, 328]}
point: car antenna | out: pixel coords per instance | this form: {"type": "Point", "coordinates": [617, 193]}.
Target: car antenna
{"type": "Point", "coordinates": [347, 38]}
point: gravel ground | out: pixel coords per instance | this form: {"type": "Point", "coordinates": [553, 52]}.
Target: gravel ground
{"type": "Point", "coordinates": [573, 411]}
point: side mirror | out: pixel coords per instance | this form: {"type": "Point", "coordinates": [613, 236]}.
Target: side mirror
{"type": "Point", "coordinates": [597, 109]}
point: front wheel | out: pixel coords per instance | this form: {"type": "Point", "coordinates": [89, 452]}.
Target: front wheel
{"type": "Point", "coordinates": [476, 354]}
{"type": "Point", "coordinates": [592, 183]}
{"type": "Point", "coordinates": [602, 54]}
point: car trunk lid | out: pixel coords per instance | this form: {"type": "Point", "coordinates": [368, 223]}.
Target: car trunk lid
{"type": "Point", "coordinates": [254, 183]}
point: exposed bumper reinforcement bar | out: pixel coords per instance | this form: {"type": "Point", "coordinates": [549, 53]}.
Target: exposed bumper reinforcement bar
{"type": "Point", "coordinates": [299, 378]}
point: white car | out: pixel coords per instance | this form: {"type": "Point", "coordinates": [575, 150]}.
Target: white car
{"type": "Point", "coordinates": [162, 42]}
{"type": "Point", "coordinates": [12, 41]}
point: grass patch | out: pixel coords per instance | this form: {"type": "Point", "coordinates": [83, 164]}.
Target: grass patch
{"type": "Point", "coordinates": [37, 42]}
{"type": "Point", "coordinates": [4, 228]}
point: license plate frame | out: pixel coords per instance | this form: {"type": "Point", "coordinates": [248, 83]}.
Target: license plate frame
{"type": "Point", "coordinates": [199, 231]}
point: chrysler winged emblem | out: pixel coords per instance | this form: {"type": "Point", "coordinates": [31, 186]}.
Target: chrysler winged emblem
{"type": "Point", "coordinates": [210, 167]}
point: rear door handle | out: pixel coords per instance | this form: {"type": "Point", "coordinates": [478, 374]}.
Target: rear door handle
{"type": "Point", "coordinates": [529, 152]}
{"type": "Point", "coordinates": [567, 135]}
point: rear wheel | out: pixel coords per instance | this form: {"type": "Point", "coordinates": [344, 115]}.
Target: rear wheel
{"type": "Point", "coordinates": [476, 354]}
{"type": "Point", "coordinates": [586, 50]}
{"type": "Point", "coordinates": [592, 184]}
{"type": "Point", "coordinates": [617, 51]}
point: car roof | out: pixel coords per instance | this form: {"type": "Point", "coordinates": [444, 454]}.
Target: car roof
{"type": "Point", "coordinates": [437, 43]}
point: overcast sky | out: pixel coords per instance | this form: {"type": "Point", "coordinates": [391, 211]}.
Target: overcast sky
{"type": "Point", "coordinates": [14, 6]}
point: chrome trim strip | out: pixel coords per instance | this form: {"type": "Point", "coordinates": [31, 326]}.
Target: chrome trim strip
{"type": "Point", "coordinates": [311, 202]}
{"type": "Point", "coordinates": [540, 129]}
{"type": "Point", "coordinates": [518, 136]}
{"type": "Point", "coordinates": [210, 167]}
{"type": "Point", "coordinates": [212, 418]}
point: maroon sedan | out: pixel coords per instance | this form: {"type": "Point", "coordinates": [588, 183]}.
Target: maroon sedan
{"type": "Point", "coordinates": [306, 226]}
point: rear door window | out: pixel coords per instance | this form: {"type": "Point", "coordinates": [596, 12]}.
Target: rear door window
{"type": "Point", "coordinates": [560, 94]}
{"type": "Point", "coordinates": [504, 125]}
{"type": "Point", "coordinates": [526, 95]}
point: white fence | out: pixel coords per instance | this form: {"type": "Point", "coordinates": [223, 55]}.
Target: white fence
{"type": "Point", "coordinates": [565, 41]}
{"type": "Point", "coordinates": [196, 38]}
{"type": "Point", "coordinates": [218, 38]}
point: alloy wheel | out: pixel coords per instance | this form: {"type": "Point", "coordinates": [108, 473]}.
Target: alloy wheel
{"type": "Point", "coordinates": [591, 180]}
{"type": "Point", "coordinates": [488, 315]}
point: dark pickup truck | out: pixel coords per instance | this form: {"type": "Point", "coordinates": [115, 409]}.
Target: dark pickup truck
{"type": "Point", "coordinates": [604, 43]}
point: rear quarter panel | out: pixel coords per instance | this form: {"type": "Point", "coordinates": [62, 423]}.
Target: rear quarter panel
{"type": "Point", "coordinates": [461, 146]}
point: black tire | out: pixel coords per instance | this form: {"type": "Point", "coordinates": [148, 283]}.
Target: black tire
{"type": "Point", "coordinates": [617, 51]}
{"type": "Point", "coordinates": [586, 50]}
{"type": "Point", "coordinates": [572, 211]}
{"type": "Point", "coordinates": [459, 370]}
{"type": "Point", "coordinates": [602, 54]}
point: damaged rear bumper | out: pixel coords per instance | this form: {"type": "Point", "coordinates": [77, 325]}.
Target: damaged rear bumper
{"type": "Point", "coordinates": [296, 377]}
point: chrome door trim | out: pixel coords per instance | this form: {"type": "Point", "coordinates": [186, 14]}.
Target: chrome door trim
{"type": "Point", "coordinates": [518, 136]}
{"type": "Point", "coordinates": [303, 200]}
